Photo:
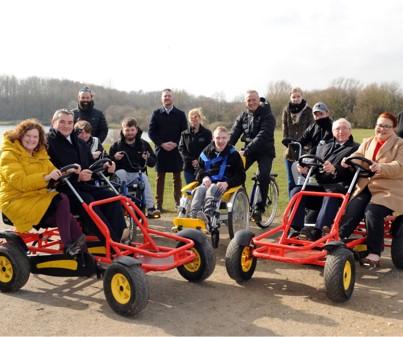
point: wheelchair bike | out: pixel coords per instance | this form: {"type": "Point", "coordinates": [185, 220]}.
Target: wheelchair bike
{"type": "Point", "coordinates": [232, 210]}
{"type": "Point", "coordinates": [329, 251]}
{"type": "Point", "coordinates": [123, 267]}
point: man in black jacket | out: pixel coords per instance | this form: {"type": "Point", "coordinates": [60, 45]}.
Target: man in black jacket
{"type": "Point", "coordinates": [133, 154]}
{"type": "Point", "coordinates": [166, 126]}
{"type": "Point", "coordinates": [220, 168]}
{"type": "Point", "coordinates": [257, 125]}
{"type": "Point", "coordinates": [85, 111]}
{"type": "Point", "coordinates": [331, 177]}
{"type": "Point", "coordinates": [65, 148]}
{"type": "Point", "coordinates": [320, 131]}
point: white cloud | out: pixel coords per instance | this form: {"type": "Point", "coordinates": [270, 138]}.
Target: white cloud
{"type": "Point", "coordinates": [203, 47]}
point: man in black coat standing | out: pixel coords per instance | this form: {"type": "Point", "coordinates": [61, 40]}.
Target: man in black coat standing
{"type": "Point", "coordinates": [166, 126]}
{"type": "Point", "coordinates": [256, 126]}
{"type": "Point", "coordinates": [85, 111]}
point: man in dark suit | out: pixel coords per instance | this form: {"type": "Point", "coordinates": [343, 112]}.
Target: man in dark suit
{"type": "Point", "coordinates": [166, 126]}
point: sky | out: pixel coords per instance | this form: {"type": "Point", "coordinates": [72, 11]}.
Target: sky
{"type": "Point", "coordinates": [209, 47]}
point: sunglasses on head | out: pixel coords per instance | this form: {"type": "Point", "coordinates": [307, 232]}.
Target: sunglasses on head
{"type": "Point", "coordinates": [85, 89]}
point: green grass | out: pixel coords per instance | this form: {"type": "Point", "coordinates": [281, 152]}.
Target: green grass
{"type": "Point", "coordinates": [278, 167]}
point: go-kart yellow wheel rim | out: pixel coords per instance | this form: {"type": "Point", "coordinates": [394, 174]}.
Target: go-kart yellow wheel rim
{"type": "Point", "coordinates": [6, 270]}
{"type": "Point", "coordinates": [194, 265]}
{"type": "Point", "coordinates": [121, 289]}
{"type": "Point", "coordinates": [347, 273]}
{"type": "Point", "coordinates": [246, 259]}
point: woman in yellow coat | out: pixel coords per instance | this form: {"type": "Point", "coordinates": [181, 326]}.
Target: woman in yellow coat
{"type": "Point", "coordinates": [382, 194]}
{"type": "Point", "coordinates": [25, 170]}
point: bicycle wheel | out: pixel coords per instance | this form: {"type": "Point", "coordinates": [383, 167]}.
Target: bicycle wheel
{"type": "Point", "coordinates": [238, 214]}
{"type": "Point", "coordinates": [271, 205]}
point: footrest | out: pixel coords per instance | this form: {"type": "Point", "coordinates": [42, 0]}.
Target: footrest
{"type": "Point", "coordinates": [180, 223]}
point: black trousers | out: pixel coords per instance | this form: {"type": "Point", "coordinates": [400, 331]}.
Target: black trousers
{"type": "Point", "coordinates": [360, 207]}
{"type": "Point", "coordinates": [111, 213]}
{"type": "Point", "coordinates": [264, 168]}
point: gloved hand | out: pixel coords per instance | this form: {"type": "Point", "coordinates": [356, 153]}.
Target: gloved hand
{"type": "Point", "coordinates": [287, 141]}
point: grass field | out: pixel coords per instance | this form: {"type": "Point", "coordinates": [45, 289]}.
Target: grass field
{"type": "Point", "coordinates": [278, 167]}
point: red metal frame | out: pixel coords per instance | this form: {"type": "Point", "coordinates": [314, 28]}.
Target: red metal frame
{"type": "Point", "coordinates": [294, 250]}
{"type": "Point", "coordinates": [154, 257]}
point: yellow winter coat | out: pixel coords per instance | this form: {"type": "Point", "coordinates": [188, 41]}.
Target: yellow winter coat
{"type": "Point", "coordinates": [24, 197]}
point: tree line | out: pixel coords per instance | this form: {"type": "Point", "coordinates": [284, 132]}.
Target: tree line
{"type": "Point", "coordinates": [39, 98]}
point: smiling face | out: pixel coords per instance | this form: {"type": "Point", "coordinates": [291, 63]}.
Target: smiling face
{"type": "Point", "coordinates": [129, 132]}
{"type": "Point", "coordinates": [341, 131]}
{"type": "Point", "coordinates": [252, 101]}
{"type": "Point", "coordinates": [194, 120]}
{"type": "Point", "coordinates": [383, 129]}
{"type": "Point", "coordinates": [85, 98]}
{"type": "Point", "coordinates": [30, 140]}
{"type": "Point", "coordinates": [221, 139]}
{"type": "Point", "coordinates": [64, 124]}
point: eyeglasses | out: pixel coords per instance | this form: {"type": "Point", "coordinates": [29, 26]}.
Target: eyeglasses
{"type": "Point", "coordinates": [384, 126]}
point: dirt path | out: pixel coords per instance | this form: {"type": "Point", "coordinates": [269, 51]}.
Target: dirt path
{"type": "Point", "coordinates": [280, 299]}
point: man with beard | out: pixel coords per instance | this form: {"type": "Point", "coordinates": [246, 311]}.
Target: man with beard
{"type": "Point", "coordinates": [166, 126]}
{"type": "Point", "coordinates": [131, 154]}
{"type": "Point", "coordinates": [85, 111]}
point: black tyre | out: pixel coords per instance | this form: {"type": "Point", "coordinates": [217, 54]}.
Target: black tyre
{"type": "Point", "coordinates": [339, 274]}
{"type": "Point", "coordinates": [202, 265]}
{"type": "Point", "coordinates": [397, 249]}
{"type": "Point", "coordinates": [239, 261]}
{"type": "Point", "coordinates": [14, 268]}
{"type": "Point", "coordinates": [238, 214]}
{"type": "Point", "coordinates": [126, 289]}
{"type": "Point", "coordinates": [271, 205]}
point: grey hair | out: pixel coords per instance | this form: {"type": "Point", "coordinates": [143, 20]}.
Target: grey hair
{"type": "Point", "coordinates": [341, 120]}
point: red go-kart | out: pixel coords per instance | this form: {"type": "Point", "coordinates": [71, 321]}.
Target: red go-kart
{"type": "Point", "coordinates": [122, 266]}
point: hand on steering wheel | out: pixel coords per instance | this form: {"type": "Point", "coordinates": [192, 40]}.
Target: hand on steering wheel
{"type": "Point", "coordinates": [310, 160]}
{"type": "Point", "coordinates": [98, 166]}
{"type": "Point", "coordinates": [365, 170]}
{"type": "Point", "coordinates": [66, 171]}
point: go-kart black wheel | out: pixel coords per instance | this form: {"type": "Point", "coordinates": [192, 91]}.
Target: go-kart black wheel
{"type": "Point", "coordinates": [202, 265]}
{"type": "Point", "coordinates": [98, 166]}
{"type": "Point", "coordinates": [363, 165]}
{"type": "Point", "coordinates": [14, 268]}
{"type": "Point", "coordinates": [239, 261]}
{"type": "Point", "coordinates": [339, 274]}
{"type": "Point", "coordinates": [126, 289]}
{"type": "Point", "coordinates": [396, 250]}
{"type": "Point", "coordinates": [309, 160]}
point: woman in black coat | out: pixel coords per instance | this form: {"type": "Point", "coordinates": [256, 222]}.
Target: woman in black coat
{"type": "Point", "coordinates": [193, 140]}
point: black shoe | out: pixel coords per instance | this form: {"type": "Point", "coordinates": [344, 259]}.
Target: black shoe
{"type": "Point", "coordinates": [310, 234]}
{"type": "Point", "coordinates": [153, 213]}
{"type": "Point", "coordinates": [76, 247]}
{"type": "Point", "coordinates": [257, 216]}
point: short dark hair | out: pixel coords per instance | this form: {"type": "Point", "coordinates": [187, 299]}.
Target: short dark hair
{"type": "Point", "coordinates": [129, 122]}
